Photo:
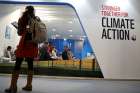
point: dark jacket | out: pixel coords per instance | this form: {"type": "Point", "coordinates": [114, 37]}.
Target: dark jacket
{"type": "Point", "coordinates": [24, 48]}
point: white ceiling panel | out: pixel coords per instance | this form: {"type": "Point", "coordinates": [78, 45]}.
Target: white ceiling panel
{"type": "Point", "coordinates": [61, 20]}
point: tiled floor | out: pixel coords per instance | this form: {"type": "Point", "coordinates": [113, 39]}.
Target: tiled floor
{"type": "Point", "coordinates": [73, 85]}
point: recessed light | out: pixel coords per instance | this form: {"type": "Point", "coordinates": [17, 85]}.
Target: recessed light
{"type": "Point", "coordinates": [70, 30]}
{"type": "Point", "coordinates": [70, 22]}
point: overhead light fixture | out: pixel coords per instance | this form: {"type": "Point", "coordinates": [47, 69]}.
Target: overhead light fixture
{"type": "Point", "coordinates": [70, 22]}
{"type": "Point", "coordinates": [70, 30]}
{"type": "Point", "coordinates": [48, 18]}
{"type": "Point", "coordinates": [45, 12]}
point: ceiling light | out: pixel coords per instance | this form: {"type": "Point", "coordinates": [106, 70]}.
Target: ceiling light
{"type": "Point", "coordinates": [70, 22]}
{"type": "Point", "coordinates": [70, 30]}
{"type": "Point", "coordinates": [48, 18]}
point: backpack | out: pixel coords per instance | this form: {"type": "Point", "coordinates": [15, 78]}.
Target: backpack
{"type": "Point", "coordinates": [38, 30]}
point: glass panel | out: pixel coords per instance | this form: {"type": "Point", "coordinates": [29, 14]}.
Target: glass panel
{"type": "Point", "coordinates": [64, 33]}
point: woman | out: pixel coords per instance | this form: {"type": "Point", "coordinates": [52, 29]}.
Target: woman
{"type": "Point", "coordinates": [25, 50]}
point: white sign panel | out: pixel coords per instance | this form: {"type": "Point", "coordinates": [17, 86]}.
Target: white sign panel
{"type": "Point", "coordinates": [112, 27]}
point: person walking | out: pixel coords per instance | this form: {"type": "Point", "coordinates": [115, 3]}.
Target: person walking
{"type": "Point", "coordinates": [25, 50]}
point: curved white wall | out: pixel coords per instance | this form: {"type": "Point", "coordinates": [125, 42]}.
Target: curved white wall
{"type": "Point", "coordinates": [118, 59]}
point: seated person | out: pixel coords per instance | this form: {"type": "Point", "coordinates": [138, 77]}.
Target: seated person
{"type": "Point", "coordinates": [44, 52]}
{"type": "Point", "coordinates": [53, 53]}
{"type": "Point", "coordinates": [65, 53]}
{"type": "Point", "coordinates": [9, 54]}
{"type": "Point", "coordinates": [70, 54]}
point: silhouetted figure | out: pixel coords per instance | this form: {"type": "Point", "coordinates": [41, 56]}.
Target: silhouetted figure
{"type": "Point", "coordinates": [25, 50]}
{"type": "Point", "coordinates": [65, 53]}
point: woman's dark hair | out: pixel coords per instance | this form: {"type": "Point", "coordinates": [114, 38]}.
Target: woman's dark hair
{"type": "Point", "coordinates": [29, 12]}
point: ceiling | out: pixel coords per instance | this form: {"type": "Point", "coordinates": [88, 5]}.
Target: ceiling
{"type": "Point", "coordinates": [61, 20]}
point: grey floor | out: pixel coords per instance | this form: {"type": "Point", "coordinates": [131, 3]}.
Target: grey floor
{"type": "Point", "coordinates": [74, 85]}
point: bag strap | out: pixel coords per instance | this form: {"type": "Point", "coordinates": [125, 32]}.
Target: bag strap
{"type": "Point", "coordinates": [33, 29]}
{"type": "Point", "coordinates": [34, 34]}
{"type": "Point", "coordinates": [29, 23]}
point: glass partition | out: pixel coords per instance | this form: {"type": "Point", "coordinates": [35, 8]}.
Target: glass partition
{"type": "Point", "coordinates": [67, 48]}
